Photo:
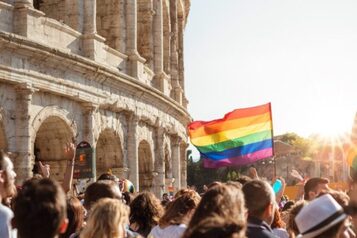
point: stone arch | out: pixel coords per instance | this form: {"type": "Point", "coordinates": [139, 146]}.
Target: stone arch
{"type": "Point", "coordinates": [166, 38]}
{"type": "Point", "coordinates": [64, 11]}
{"type": "Point", "coordinates": [51, 130]}
{"type": "Point", "coordinates": [55, 9]}
{"type": "Point", "coordinates": [109, 153]}
{"type": "Point", "coordinates": [50, 142]}
{"type": "Point", "coordinates": [146, 166]}
{"type": "Point", "coordinates": [145, 44]}
{"type": "Point", "coordinates": [109, 22]}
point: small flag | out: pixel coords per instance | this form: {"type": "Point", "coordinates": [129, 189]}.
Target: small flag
{"type": "Point", "coordinates": [242, 137]}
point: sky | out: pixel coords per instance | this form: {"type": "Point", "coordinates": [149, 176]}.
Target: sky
{"type": "Point", "coordinates": [299, 55]}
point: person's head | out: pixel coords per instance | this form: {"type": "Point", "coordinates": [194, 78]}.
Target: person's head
{"type": "Point", "coordinates": [128, 197]}
{"type": "Point", "coordinates": [291, 226]}
{"type": "Point", "coordinates": [190, 192]}
{"type": "Point", "coordinates": [108, 219]}
{"type": "Point", "coordinates": [277, 221]}
{"type": "Point", "coordinates": [288, 205]}
{"type": "Point", "coordinates": [40, 209]}
{"type": "Point", "coordinates": [75, 215]}
{"type": "Point", "coordinates": [7, 176]}
{"type": "Point", "coordinates": [145, 212]}
{"type": "Point", "coordinates": [314, 186]}
{"type": "Point", "coordinates": [260, 200]}
{"type": "Point", "coordinates": [220, 200]}
{"type": "Point", "coordinates": [108, 176]}
{"type": "Point", "coordinates": [243, 179]}
{"type": "Point", "coordinates": [165, 197]}
{"type": "Point", "coordinates": [101, 189]}
{"type": "Point", "coordinates": [216, 226]}
{"type": "Point", "coordinates": [180, 210]}
{"type": "Point", "coordinates": [322, 217]}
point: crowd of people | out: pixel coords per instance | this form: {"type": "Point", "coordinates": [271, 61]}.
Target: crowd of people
{"type": "Point", "coordinates": [248, 207]}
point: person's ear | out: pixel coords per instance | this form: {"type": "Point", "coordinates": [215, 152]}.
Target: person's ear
{"type": "Point", "coordinates": [312, 195]}
{"type": "Point", "coordinates": [63, 226]}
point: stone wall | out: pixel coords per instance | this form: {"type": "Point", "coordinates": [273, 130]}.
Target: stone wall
{"type": "Point", "coordinates": [74, 70]}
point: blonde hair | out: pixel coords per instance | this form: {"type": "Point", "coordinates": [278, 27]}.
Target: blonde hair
{"type": "Point", "coordinates": [107, 220]}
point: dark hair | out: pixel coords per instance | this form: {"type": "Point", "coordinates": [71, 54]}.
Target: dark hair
{"type": "Point", "coordinates": [312, 184]}
{"type": "Point", "coordinates": [292, 228]}
{"type": "Point", "coordinates": [288, 205]}
{"type": "Point", "coordinates": [75, 215]}
{"type": "Point", "coordinates": [107, 176]}
{"type": "Point", "coordinates": [39, 209]}
{"type": "Point", "coordinates": [215, 227]}
{"type": "Point", "coordinates": [128, 197]}
{"type": "Point", "coordinates": [145, 211]}
{"type": "Point", "coordinates": [258, 195]}
{"type": "Point", "coordinates": [101, 189]}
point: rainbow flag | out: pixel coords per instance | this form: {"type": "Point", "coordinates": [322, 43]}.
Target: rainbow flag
{"type": "Point", "coordinates": [242, 137]}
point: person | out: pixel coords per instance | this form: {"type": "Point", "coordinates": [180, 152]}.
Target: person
{"type": "Point", "coordinates": [177, 215]}
{"type": "Point", "coordinates": [145, 213]}
{"type": "Point", "coordinates": [7, 190]}
{"type": "Point", "coordinates": [278, 226]}
{"type": "Point", "coordinates": [40, 209]}
{"type": "Point", "coordinates": [314, 186]}
{"type": "Point", "coordinates": [216, 226]}
{"type": "Point", "coordinates": [260, 202]}
{"type": "Point", "coordinates": [322, 218]}
{"type": "Point", "coordinates": [108, 219]}
{"type": "Point", "coordinates": [69, 155]}
{"type": "Point", "coordinates": [291, 227]}
{"type": "Point", "coordinates": [165, 199]}
{"type": "Point", "coordinates": [220, 200]}
{"type": "Point", "coordinates": [101, 189]}
{"type": "Point", "coordinates": [75, 215]}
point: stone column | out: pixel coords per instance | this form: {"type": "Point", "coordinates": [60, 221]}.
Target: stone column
{"type": "Point", "coordinates": [21, 16]}
{"type": "Point", "coordinates": [176, 89]}
{"type": "Point", "coordinates": [24, 160]}
{"type": "Point", "coordinates": [181, 23]}
{"type": "Point", "coordinates": [132, 150]}
{"type": "Point", "coordinates": [122, 26]}
{"type": "Point", "coordinates": [135, 64]}
{"type": "Point", "coordinates": [158, 32]}
{"type": "Point", "coordinates": [89, 128]}
{"type": "Point", "coordinates": [92, 42]}
{"type": "Point", "coordinates": [183, 165]}
{"type": "Point", "coordinates": [176, 165]}
{"type": "Point", "coordinates": [159, 167]}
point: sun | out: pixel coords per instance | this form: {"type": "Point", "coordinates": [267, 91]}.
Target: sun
{"type": "Point", "coordinates": [331, 123]}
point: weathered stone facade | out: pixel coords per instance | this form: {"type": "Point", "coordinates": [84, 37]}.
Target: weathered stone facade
{"type": "Point", "coordinates": [109, 72]}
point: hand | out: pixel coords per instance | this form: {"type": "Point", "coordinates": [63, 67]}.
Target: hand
{"type": "Point", "coordinates": [45, 169]}
{"type": "Point", "coordinates": [70, 151]}
{"type": "Point", "coordinates": [252, 172]}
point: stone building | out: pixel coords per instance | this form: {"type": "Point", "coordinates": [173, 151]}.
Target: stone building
{"type": "Point", "coordinates": [109, 72]}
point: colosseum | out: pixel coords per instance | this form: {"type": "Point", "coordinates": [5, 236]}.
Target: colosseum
{"type": "Point", "coordinates": [109, 72]}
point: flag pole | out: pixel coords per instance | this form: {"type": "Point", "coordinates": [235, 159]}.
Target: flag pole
{"type": "Point", "coordinates": [272, 134]}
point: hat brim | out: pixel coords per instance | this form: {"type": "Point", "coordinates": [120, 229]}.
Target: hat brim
{"type": "Point", "coordinates": [322, 229]}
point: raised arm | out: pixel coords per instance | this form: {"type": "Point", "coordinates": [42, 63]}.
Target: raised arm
{"type": "Point", "coordinates": [70, 154]}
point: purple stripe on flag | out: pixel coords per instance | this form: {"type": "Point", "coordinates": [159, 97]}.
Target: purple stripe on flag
{"type": "Point", "coordinates": [239, 160]}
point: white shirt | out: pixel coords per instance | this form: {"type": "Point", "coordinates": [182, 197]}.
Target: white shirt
{"type": "Point", "coordinates": [173, 231]}
{"type": "Point", "coordinates": [5, 223]}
